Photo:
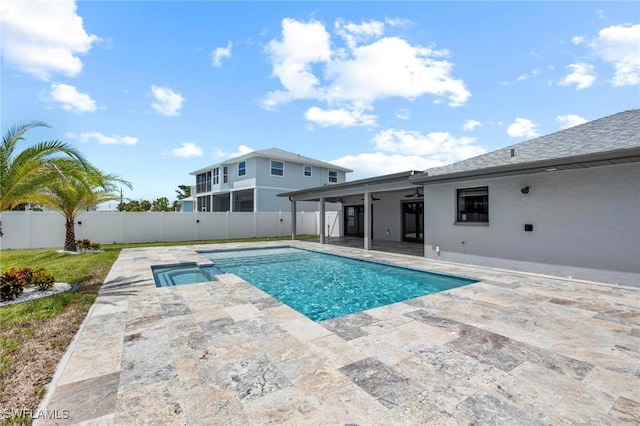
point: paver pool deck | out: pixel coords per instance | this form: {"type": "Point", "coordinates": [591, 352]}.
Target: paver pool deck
{"type": "Point", "coordinates": [513, 348]}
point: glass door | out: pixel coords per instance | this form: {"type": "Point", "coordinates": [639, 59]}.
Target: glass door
{"type": "Point", "coordinates": [413, 221]}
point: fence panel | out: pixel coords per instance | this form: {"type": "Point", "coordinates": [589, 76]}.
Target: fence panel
{"type": "Point", "coordinates": [32, 229]}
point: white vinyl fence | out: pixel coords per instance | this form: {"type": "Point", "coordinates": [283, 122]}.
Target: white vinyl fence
{"type": "Point", "coordinates": [46, 229]}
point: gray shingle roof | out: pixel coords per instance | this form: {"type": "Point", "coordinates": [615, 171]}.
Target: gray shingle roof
{"type": "Point", "coordinates": [278, 154]}
{"type": "Point", "coordinates": [611, 133]}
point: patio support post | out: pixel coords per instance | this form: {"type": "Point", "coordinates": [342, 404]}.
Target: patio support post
{"type": "Point", "coordinates": [322, 220]}
{"type": "Point", "coordinates": [231, 201]}
{"type": "Point", "coordinates": [294, 215]}
{"type": "Point", "coordinates": [367, 220]}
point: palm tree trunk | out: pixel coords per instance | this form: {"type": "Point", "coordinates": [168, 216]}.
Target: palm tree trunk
{"type": "Point", "coordinates": [70, 237]}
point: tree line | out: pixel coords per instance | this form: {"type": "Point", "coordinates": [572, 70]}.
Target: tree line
{"type": "Point", "coordinates": [158, 205]}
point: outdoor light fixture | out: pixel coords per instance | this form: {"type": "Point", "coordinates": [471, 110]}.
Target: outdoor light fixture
{"type": "Point", "coordinates": [525, 190]}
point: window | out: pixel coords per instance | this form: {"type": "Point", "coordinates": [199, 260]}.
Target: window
{"type": "Point", "coordinates": [242, 168]}
{"type": "Point", "coordinates": [333, 176]}
{"type": "Point", "coordinates": [473, 205]}
{"type": "Point", "coordinates": [306, 171]}
{"type": "Point", "coordinates": [216, 176]}
{"type": "Point", "coordinates": [225, 174]}
{"type": "Point", "coordinates": [277, 168]}
{"type": "Point", "coordinates": [203, 182]}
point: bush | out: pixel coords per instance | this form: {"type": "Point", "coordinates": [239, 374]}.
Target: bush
{"type": "Point", "coordinates": [86, 244]}
{"type": "Point", "coordinates": [12, 283]}
{"type": "Point", "coordinates": [42, 279]}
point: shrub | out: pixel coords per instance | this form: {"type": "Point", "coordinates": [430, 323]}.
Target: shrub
{"type": "Point", "coordinates": [42, 279]}
{"type": "Point", "coordinates": [86, 244]}
{"type": "Point", "coordinates": [12, 283]}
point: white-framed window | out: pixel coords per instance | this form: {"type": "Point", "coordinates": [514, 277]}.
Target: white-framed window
{"type": "Point", "coordinates": [242, 168]}
{"type": "Point", "coordinates": [277, 168]}
{"type": "Point", "coordinates": [472, 205]}
{"type": "Point", "coordinates": [333, 176]}
{"type": "Point", "coordinates": [306, 171]}
{"type": "Point", "coordinates": [225, 174]}
{"type": "Point", "coordinates": [216, 176]}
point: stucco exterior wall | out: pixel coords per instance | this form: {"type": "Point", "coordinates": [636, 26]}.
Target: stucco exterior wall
{"type": "Point", "coordinates": [586, 224]}
{"type": "Point", "coordinates": [387, 213]}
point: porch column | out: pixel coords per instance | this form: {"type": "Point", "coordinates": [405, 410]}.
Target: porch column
{"type": "Point", "coordinates": [367, 220]}
{"type": "Point", "coordinates": [231, 201]}
{"type": "Point", "coordinates": [294, 215]}
{"type": "Point", "coordinates": [322, 220]}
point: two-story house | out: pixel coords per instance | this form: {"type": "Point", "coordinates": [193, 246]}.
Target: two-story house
{"type": "Point", "coordinates": [251, 182]}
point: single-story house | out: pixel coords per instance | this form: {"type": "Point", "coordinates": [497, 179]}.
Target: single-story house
{"type": "Point", "coordinates": [565, 204]}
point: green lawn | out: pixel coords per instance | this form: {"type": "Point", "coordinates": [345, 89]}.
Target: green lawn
{"type": "Point", "coordinates": [43, 328]}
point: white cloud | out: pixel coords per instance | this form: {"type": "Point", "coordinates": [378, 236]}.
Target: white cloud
{"type": "Point", "coordinates": [70, 99]}
{"type": "Point", "coordinates": [43, 38]}
{"type": "Point", "coordinates": [242, 150]}
{"type": "Point", "coordinates": [354, 34]}
{"type": "Point", "coordinates": [380, 163]}
{"type": "Point", "coordinates": [187, 150]}
{"type": "Point", "coordinates": [403, 114]}
{"type": "Point", "coordinates": [522, 127]}
{"type": "Point", "coordinates": [439, 146]}
{"type": "Point", "coordinates": [342, 117]}
{"type": "Point", "coordinates": [470, 125]}
{"type": "Point", "coordinates": [401, 150]}
{"type": "Point", "coordinates": [570, 120]}
{"type": "Point", "coordinates": [220, 53]}
{"type": "Point", "coordinates": [577, 40]}
{"type": "Point", "coordinates": [582, 75]}
{"type": "Point", "coordinates": [619, 45]}
{"type": "Point", "coordinates": [167, 102]}
{"type": "Point", "coordinates": [103, 139]}
{"type": "Point", "coordinates": [368, 67]}
{"type": "Point", "coordinates": [534, 72]}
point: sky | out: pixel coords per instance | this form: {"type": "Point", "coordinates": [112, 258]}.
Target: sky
{"type": "Point", "coordinates": [154, 90]}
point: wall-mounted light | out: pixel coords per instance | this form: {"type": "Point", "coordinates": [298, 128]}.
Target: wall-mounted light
{"type": "Point", "coordinates": [197, 220]}
{"type": "Point", "coordinates": [79, 222]}
{"type": "Point", "coordinates": [525, 190]}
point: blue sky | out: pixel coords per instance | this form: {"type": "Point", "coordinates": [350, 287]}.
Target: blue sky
{"type": "Point", "coordinates": [154, 90]}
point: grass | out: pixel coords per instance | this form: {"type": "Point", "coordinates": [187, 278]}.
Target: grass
{"type": "Point", "coordinates": [35, 334]}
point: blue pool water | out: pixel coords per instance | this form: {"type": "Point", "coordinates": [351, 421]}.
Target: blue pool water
{"type": "Point", "coordinates": [185, 273]}
{"type": "Point", "coordinates": [323, 286]}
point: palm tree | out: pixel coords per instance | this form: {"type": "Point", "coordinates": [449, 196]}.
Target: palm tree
{"type": "Point", "coordinates": [24, 174]}
{"type": "Point", "coordinates": [76, 193]}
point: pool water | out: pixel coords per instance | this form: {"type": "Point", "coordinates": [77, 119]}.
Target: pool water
{"type": "Point", "coordinates": [184, 273]}
{"type": "Point", "coordinates": [323, 286]}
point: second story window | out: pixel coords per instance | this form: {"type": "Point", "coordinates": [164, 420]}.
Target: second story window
{"type": "Point", "coordinates": [333, 176]}
{"type": "Point", "coordinates": [306, 171]}
{"type": "Point", "coordinates": [216, 176]}
{"type": "Point", "coordinates": [242, 168]}
{"type": "Point", "coordinates": [203, 182]}
{"type": "Point", "coordinates": [225, 174]}
{"type": "Point", "coordinates": [277, 168]}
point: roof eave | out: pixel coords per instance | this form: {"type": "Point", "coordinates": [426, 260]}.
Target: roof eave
{"type": "Point", "coordinates": [627, 155]}
{"type": "Point", "coordinates": [356, 186]}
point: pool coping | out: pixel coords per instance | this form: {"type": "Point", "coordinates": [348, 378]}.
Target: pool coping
{"type": "Point", "coordinates": [190, 251]}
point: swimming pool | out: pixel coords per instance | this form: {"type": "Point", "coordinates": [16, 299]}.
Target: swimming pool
{"type": "Point", "coordinates": [183, 273]}
{"type": "Point", "coordinates": [323, 286]}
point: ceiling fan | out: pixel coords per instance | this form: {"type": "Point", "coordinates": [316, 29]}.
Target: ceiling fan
{"type": "Point", "coordinates": [416, 194]}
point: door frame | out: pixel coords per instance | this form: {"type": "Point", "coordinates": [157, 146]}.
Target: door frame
{"type": "Point", "coordinates": [419, 224]}
{"type": "Point", "coordinates": [359, 211]}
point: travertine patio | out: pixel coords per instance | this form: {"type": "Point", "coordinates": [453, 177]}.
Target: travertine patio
{"type": "Point", "coordinates": [511, 349]}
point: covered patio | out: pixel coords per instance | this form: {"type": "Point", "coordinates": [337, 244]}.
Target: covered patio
{"type": "Point", "coordinates": [381, 213]}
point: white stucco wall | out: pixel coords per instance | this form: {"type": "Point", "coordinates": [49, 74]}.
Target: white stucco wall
{"type": "Point", "coordinates": [586, 224]}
